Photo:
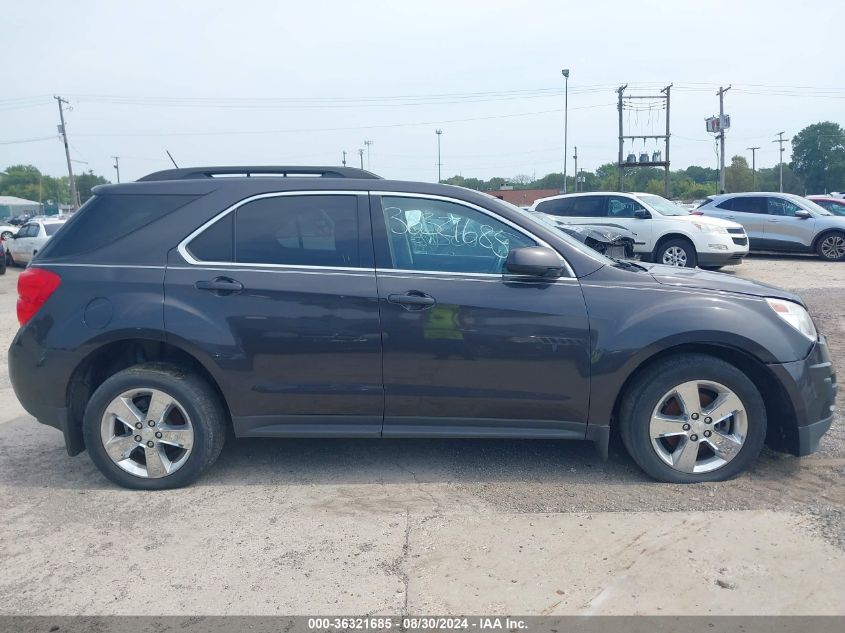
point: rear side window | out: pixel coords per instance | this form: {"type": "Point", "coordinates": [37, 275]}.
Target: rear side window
{"type": "Point", "coordinates": [298, 230]}
{"type": "Point", "coordinates": [106, 218]}
{"type": "Point", "coordinates": [50, 229]}
{"type": "Point", "coordinates": [556, 206]}
{"type": "Point", "coordinates": [744, 204]}
{"type": "Point", "coordinates": [589, 207]}
{"type": "Point", "coordinates": [290, 230]}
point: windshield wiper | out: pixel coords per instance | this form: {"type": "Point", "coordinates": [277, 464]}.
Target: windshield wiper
{"type": "Point", "coordinates": [627, 265]}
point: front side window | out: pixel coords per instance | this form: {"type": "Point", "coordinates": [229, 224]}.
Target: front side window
{"type": "Point", "coordinates": [30, 230]}
{"type": "Point", "coordinates": [621, 207]}
{"type": "Point", "coordinates": [442, 236]}
{"type": "Point", "coordinates": [781, 206]}
{"type": "Point", "coordinates": [304, 230]}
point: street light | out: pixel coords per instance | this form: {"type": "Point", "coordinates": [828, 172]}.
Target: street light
{"type": "Point", "coordinates": [439, 177]}
{"type": "Point", "coordinates": [565, 73]}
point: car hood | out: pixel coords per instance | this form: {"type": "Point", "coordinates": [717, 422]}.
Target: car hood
{"type": "Point", "coordinates": [706, 280]}
{"type": "Point", "coordinates": [707, 219]}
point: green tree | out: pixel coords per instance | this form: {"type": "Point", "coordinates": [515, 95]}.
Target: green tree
{"type": "Point", "coordinates": [818, 156]}
{"type": "Point", "coordinates": [738, 177]}
{"type": "Point", "coordinates": [87, 181]}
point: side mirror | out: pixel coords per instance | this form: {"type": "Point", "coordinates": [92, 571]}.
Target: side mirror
{"type": "Point", "coordinates": [803, 214]}
{"type": "Point", "coordinates": [642, 214]}
{"type": "Point", "coordinates": [537, 261]}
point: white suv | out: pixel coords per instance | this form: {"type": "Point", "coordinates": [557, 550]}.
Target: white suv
{"type": "Point", "coordinates": [665, 232]}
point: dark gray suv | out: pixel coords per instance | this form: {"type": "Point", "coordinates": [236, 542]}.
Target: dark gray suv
{"type": "Point", "coordinates": [782, 222]}
{"type": "Point", "coordinates": [328, 302]}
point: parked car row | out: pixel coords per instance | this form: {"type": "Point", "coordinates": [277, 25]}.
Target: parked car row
{"type": "Point", "coordinates": [781, 222]}
{"type": "Point", "coordinates": [22, 244]}
{"type": "Point", "coordinates": [663, 231]}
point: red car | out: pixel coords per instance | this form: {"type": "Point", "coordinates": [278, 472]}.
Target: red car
{"type": "Point", "coordinates": [835, 205]}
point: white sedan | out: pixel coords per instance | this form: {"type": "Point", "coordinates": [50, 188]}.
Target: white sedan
{"type": "Point", "coordinates": [7, 230]}
{"type": "Point", "coordinates": [31, 237]}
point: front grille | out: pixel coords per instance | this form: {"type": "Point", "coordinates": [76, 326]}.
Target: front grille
{"type": "Point", "coordinates": [740, 241]}
{"type": "Point", "coordinates": [737, 231]}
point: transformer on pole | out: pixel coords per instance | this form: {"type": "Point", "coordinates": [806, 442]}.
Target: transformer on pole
{"type": "Point", "coordinates": [630, 103]}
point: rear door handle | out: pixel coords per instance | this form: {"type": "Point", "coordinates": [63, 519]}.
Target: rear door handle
{"type": "Point", "coordinates": [413, 300]}
{"type": "Point", "coordinates": [220, 285]}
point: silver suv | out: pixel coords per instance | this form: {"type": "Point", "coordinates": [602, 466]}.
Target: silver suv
{"type": "Point", "coordinates": [781, 222]}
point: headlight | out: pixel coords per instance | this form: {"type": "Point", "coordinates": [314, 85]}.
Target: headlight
{"type": "Point", "coordinates": [710, 228]}
{"type": "Point", "coordinates": [795, 315]}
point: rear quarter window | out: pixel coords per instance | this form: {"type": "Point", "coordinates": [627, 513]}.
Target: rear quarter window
{"type": "Point", "coordinates": [107, 218]}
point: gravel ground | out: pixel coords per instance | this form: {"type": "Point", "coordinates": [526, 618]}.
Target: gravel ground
{"type": "Point", "coordinates": [389, 526]}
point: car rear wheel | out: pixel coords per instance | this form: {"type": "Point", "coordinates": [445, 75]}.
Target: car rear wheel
{"type": "Point", "coordinates": [693, 418]}
{"type": "Point", "coordinates": [831, 247]}
{"type": "Point", "coordinates": [154, 426]}
{"type": "Point", "coordinates": [676, 252]}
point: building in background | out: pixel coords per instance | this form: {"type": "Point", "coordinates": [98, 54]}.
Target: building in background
{"type": "Point", "coordinates": [12, 205]}
{"type": "Point", "coordinates": [522, 197]}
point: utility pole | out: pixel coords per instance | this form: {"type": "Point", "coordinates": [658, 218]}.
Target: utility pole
{"type": "Point", "coordinates": [576, 168]}
{"type": "Point", "coordinates": [753, 167]}
{"type": "Point", "coordinates": [721, 94]}
{"type": "Point", "coordinates": [368, 143]}
{"type": "Point", "coordinates": [74, 199]}
{"type": "Point", "coordinates": [344, 158]}
{"type": "Point", "coordinates": [619, 106]}
{"type": "Point", "coordinates": [361, 156]}
{"type": "Point", "coordinates": [781, 141]}
{"type": "Point", "coordinates": [439, 177]}
{"type": "Point", "coordinates": [565, 73]}
{"type": "Point", "coordinates": [666, 191]}
{"type": "Point", "coordinates": [117, 167]}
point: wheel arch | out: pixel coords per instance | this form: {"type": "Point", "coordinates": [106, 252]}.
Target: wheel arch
{"type": "Point", "coordinates": [823, 234]}
{"type": "Point", "coordinates": [673, 235]}
{"type": "Point", "coordinates": [116, 355]}
{"type": "Point", "coordinates": [780, 413]}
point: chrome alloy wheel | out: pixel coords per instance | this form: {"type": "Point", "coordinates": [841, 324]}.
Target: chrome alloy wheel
{"type": "Point", "coordinates": [833, 247]}
{"type": "Point", "coordinates": [147, 433]}
{"type": "Point", "coordinates": [698, 426]}
{"type": "Point", "coordinates": [675, 256]}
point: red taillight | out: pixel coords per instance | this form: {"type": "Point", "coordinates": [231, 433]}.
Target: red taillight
{"type": "Point", "coordinates": [35, 285]}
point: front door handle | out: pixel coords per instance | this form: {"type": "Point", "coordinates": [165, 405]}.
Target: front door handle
{"type": "Point", "coordinates": [220, 285]}
{"type": "Point", "coordinates": [413, 300]}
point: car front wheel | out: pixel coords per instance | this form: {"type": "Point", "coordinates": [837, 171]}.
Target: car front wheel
{"type": "Point", "coordinates": [676, 252]}
{"type": "Point", "coordinates": [693, 418]}
{"type": "Point", "coordinates": [154, 426]}
{"type": "Point", "coordinates": [831, 247]}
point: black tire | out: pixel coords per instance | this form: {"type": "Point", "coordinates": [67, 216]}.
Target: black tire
{"type": "Point", "coordinates": [713, 268]}
{"type": "Point", "coordinates": [643, 395]}
{"type": "Point", "coordinates": [6, 235]}
{"type": "Point", "coordinates": [831, 246]}
{"type": "Point", "coordinates": [199, 400]}
{"type": "Point", "coordinates": [677, 243]}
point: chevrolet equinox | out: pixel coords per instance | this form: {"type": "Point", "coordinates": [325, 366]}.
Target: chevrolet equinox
{"type": "Point", "coordinates": [329, 302]}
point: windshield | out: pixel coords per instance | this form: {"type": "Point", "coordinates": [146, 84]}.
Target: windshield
{"type": "Point", "coordinates": [662, 205]}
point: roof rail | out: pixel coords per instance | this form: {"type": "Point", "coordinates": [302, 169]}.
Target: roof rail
{"type": "Point", "coordinates": [188, 173]}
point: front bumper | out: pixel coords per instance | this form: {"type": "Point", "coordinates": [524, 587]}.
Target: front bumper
{"type": "Point", "coordinates": [721, 258]}
{"type": "Point", "coordinates": [810, 384]}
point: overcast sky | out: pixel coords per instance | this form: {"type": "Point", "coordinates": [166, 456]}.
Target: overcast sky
{"type": "Point", "coordinates": [254, 82]}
